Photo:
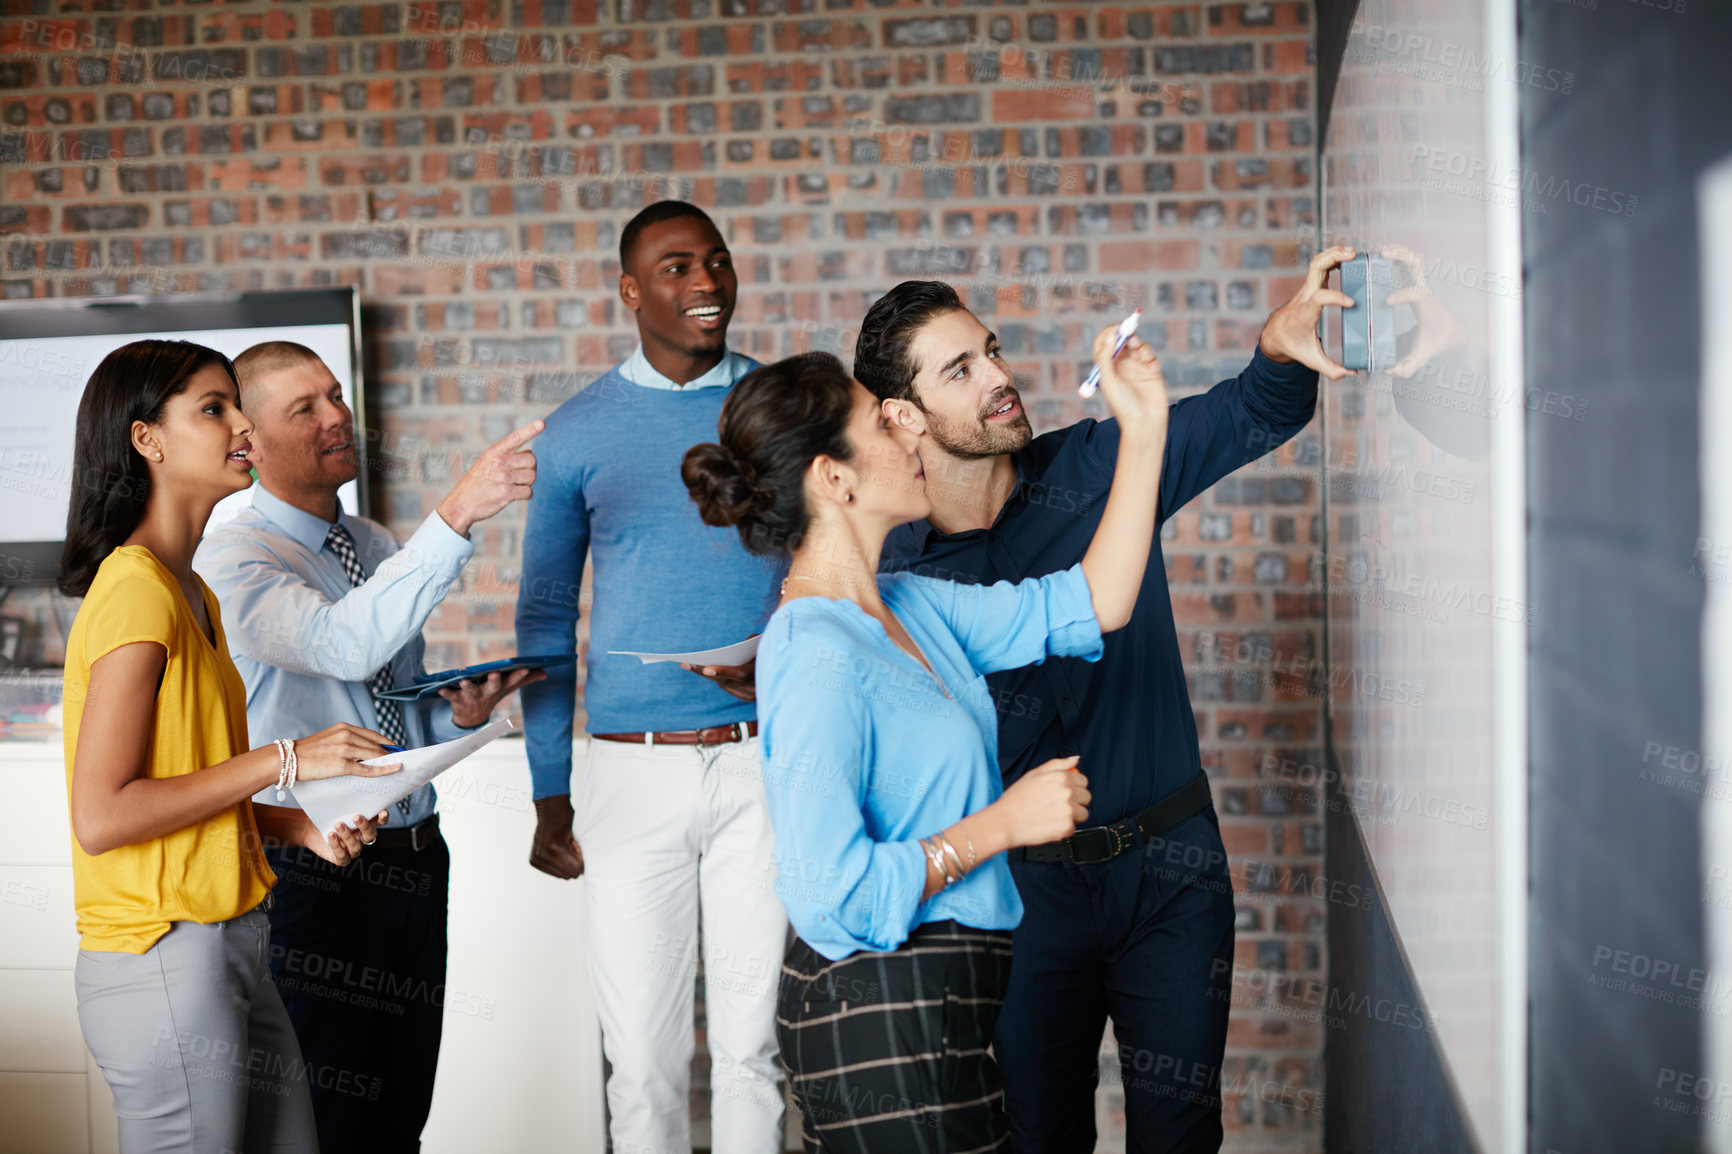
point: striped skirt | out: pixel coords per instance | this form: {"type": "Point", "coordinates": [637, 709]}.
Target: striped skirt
{"type": "Point", "coordinates": [888, 1051]}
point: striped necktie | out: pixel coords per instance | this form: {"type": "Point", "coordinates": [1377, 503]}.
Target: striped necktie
{"type": "Point", "coordinates": [390, 712]}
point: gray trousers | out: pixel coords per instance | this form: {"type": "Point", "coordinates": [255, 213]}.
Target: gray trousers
{"type": "Point", "coordinates": [193, 1040]}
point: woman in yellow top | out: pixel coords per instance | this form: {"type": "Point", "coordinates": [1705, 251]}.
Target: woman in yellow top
{"type": "Point", "coordinates": [175, 996]}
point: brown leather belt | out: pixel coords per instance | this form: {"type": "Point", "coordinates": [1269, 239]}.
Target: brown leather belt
{"type": "Point", "coordinates": [714, 735]}
{"type": "Point", "coordinates": [417, 837]}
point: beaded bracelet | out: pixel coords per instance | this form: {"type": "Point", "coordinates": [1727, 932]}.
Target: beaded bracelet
{"type": "Point", "coordinates": [289, 765]}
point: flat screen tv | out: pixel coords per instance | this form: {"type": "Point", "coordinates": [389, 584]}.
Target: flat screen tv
{"type": "Point", "coordinates": [49, 348]}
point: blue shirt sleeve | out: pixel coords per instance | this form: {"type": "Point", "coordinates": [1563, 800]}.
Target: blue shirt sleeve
{"type": "Point", "coordinates": [555, 543]}
{"type": "Point", "coordinates": [277, 617]}
{"type": "Point", "coordinates": [1008, 625]}
{"type": "Point", "coordinates": [1226, 428]}
{"type": "Point", "coordinates": [843, 890]}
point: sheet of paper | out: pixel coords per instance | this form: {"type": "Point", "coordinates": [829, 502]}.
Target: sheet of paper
{"type": "Point", "coordinates": [333, 800]}
{"type": "Point", "coordinates": [738, 653]}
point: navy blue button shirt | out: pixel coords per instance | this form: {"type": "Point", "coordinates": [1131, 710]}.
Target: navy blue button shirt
{"type": "Point", "coordinates": [1129, 715]}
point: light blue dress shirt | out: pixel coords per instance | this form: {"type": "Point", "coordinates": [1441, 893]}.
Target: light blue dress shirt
{"type": "Point", "coordinates": [729, 369]}
{"type": "Point", "coordinates": [865, 753]}
{"type": "Point", "coordinates": [305, 640]}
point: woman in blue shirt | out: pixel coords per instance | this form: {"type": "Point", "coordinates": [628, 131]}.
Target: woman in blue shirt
{"type": "Point", "coordinates": [880, 740]}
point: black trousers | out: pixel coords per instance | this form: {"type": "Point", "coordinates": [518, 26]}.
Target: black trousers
{"type": "Point", "coordinates": [1147, 940]}
{"type": "Point", "coordinates": [887, 1052]}
{"type": "Point", "coordinates": [358, 954]}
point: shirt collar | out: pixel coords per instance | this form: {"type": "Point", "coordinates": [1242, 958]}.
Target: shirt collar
{"type": "Point", "coordinates": [299, 524]}
{"type": "Point", "coordinates": [924, 530]}
{"type": "Point", "coordinates": [639, 371]}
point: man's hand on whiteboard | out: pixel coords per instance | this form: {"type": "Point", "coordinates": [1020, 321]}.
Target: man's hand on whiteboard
{"type": "Point", "coordinates": [1290, 333]}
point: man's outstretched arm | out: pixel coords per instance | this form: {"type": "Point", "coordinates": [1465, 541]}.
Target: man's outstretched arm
{"type": "Point", "coordinates": [1244, 417]}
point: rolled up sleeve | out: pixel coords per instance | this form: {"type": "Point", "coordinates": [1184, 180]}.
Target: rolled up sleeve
{"type": "Point", "coordinates": [278, 618]}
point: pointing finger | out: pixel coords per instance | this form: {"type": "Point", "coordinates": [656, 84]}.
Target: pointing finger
{"type": "Point", "coordinates": [517, 438]}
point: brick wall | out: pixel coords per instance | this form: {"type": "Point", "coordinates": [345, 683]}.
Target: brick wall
{"type": "Point", "coordinates": [469, 164]}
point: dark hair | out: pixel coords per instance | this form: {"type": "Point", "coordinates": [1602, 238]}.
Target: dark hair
{"type": "Point", "coordinates": [656, 213]}
{"type": "Point", "coordinates": [882, 358]}
{"type": "Point", "coordinates": [110, 483]}
{"type": "Point", "coordinates": [774, 422]}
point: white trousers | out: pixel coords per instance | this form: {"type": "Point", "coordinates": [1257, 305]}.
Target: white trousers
{"type": "Point", "coordinates": [670, 833]}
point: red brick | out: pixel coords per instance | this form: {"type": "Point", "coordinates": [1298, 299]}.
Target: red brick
{"type": "Point", "coordinates": [529, 13]}
{"type": "Point", "coordinates": [449, 18]}
{"type": "Point", "coordinates": [820, 35]}
{"type": "Point", "coordinates": [456, 91]}
{"type": "Point", "coordinates": [1025, 105]}
{"type": "Point", "coordinates": [68, 108]}
{"type": "Point", "coordinates": [36, 220]}
{"type": "Point", "coordinates": [1148, 256]}
{"type": "Point", "coordinates": [743, 76]}
{"type": "Point", "coordinates": [232, 27]}
{"type": "Point", "coordinates": [634, 120]}
{"type": "Point", "coordinates": [432, 55]}
{"type": "Point", "coordinates": [371, 169]}
{"type": "Point", "coordinates": [1288, 17]}
{"type": "Point", "coordinates": [1288, 57]}
{"type": "Point", "coordinates": [276, 174]}
{"type": "Point", "coordinates": [374, 20]}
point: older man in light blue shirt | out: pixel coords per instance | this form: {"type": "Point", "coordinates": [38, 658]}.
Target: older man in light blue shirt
{"type": "Point", "coordinates": [306, 639]}
{"type": "Point", "coordinates": [324, 614]}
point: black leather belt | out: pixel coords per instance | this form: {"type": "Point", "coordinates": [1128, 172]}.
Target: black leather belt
{"type": "Point", "coordinates": [417, 837]}
{"type": "Point", "coordinates": [1101, 843]}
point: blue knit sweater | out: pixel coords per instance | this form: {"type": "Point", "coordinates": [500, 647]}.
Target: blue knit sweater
{"type": "Point", "coordinates": [608, 484]}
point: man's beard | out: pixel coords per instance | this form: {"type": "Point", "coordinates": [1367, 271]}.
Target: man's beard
{"type": "Point", "coordinates": [971, 440]}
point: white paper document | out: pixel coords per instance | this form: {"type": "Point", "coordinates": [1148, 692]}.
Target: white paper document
{"type": "Point", "coordinates": [738, 653]}
{"type": "Point", "coordinates": [332, 801]}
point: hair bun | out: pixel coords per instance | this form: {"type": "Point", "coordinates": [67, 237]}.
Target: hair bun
{"type": "Point", "coordinates": [725, 488]}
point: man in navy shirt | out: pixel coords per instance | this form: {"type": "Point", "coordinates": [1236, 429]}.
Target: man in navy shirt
{"type": "Point", "coordinates": [1130, 918]}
